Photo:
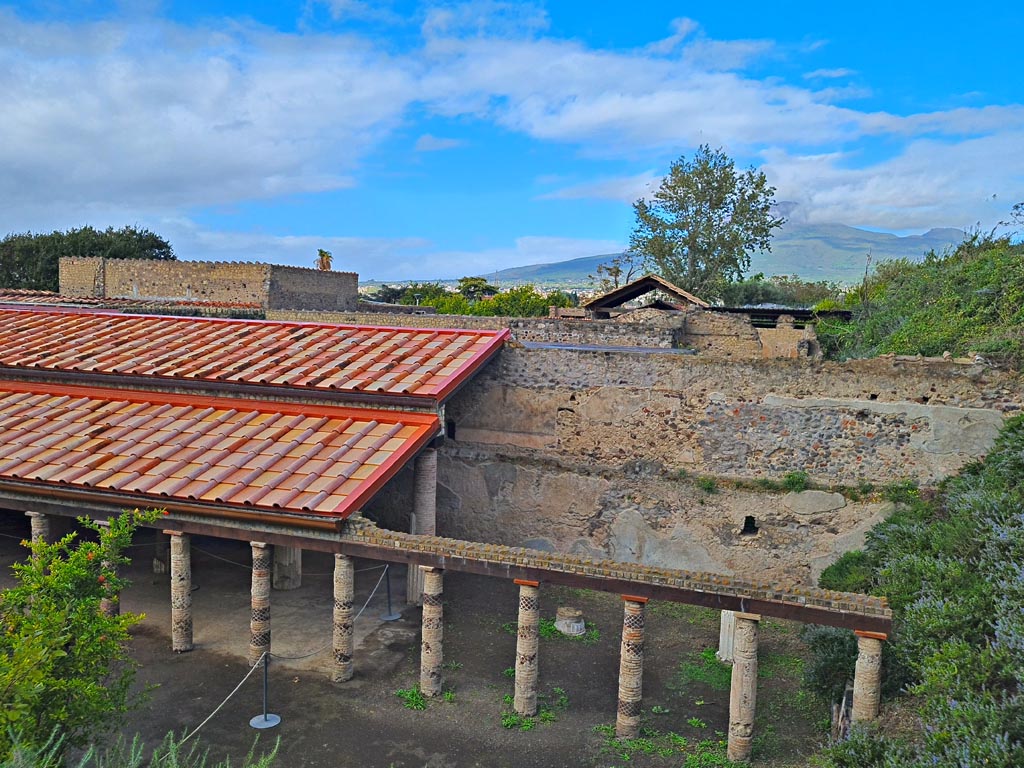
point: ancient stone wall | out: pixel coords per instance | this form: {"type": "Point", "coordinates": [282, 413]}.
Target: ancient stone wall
{"type": "Point", "coordinates": [312, 289]}
{"type": "Point", "coordinates": [661, 458]}
{"type": "Point", "coordinates": [81, 277]}
{"type": "Point", "coordinates": [239, 282]}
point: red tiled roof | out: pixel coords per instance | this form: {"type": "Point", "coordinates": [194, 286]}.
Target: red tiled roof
{"type": "Point", "coordinates": [273, 457]}
{"type": "Point", "coordinates": [423, 363]}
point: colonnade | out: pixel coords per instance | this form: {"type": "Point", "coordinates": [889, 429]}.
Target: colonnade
{"type": "Point", "coordinates": [739, 640]}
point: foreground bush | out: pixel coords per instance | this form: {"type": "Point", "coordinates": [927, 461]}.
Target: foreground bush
{"type": "Point", "coordinates": [953, 570]}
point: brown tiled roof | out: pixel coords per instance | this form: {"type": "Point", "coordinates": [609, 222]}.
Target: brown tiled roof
{"type": "Point", "coordinates": [420, 363]}
{"type": "Point", "coordinates": [639, 287]}
{"type": "Point", "coordinates": [157, 447]}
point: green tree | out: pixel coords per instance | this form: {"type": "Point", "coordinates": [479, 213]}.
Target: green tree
{"type": "Point", "coordinates": [475, 288]}
{"type": "Point", "coordinates": [523, 301]}
{"type": "Point", "coordinates": [623, 268]}
{"type": "Point", "coordinates": [704, 221]}
{"type": "Point", "coordinates": [64, 665]}
{"type": "Point", "coordinates": [31, 261]}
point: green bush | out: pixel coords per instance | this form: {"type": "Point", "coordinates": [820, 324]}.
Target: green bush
{"type": "Point", "coordinates": [795, 481]}
{"type": "Point", "coordinates": [850, 573]}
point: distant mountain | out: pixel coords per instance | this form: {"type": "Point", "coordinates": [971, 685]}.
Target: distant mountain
{"type": "Point", "coordinates": [816, 252]}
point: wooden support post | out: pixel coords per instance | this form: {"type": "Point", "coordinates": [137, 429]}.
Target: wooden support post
{"type": "Point", "coordinates": [743, 693]}
{"type": "Point", "coordinates": [431, 647]}
{"type": "Point", "coordinates": [287, 568]}
{"type": "Point", "coordinates": [181, 592]}
{"type": "Point", "coordinates": [423, 520]}
{"type": "Point", "coordinates": [867, 678]}
{"type": "Point", "coordinates": [527, 639]}
{"type": "Point", "coordinates": [343, 640]}
{"type": "Point", "coordinates": [259, 625]}
{"type": "Point", "coordinates": [631, 668]}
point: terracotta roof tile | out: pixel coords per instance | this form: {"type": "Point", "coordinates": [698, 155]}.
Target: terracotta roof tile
{"type": "Point", "coordinates": [325, 460]}
{"type": "Point", "coordinates": [423, 363]}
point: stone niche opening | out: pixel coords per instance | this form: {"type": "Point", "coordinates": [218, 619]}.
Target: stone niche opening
{"type": "Point", "coordinates": [750, 527]}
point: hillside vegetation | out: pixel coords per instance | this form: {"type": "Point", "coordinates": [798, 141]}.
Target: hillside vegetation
{"type": "Point", "coordinates": [953, 570]}
{"type": "Point", "coordinates": [969, 300]}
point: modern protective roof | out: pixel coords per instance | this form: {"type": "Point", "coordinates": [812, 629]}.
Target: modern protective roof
{"type": "Point", "coordinates": [639, 287]}
{"type": "Point", "coordinates": [420, 363]}
{"type": "Point", "coordinates": [162, 447]}
{"type": "Point", "coordinates": [25, 296]}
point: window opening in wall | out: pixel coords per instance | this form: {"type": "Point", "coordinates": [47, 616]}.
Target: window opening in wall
{"type": "Point", "coordinates": [449, 429]}
{"type": "Point", "coordinates": [749, 526]}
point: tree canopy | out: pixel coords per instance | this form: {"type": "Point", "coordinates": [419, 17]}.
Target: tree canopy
{"type": "Point", "coordinates": [31, 261]}
{"type": "Point", "coordinates": [706, 219]}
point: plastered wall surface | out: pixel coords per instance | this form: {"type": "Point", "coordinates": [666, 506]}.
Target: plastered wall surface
{"type": "Point", "coordinates": [607, 452]}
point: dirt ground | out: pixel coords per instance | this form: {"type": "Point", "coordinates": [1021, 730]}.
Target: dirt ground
{"type": "Point", "coordinates": [364, 723]}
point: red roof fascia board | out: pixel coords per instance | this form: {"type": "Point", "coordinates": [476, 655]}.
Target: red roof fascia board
{"type": "Point", "coordinates": [156, 448]}
{"type": "Point", "coordinates": [424, 363]}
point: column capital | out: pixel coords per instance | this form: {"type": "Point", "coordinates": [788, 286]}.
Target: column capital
{"type": "Point", "coordinates": [635, 599]}
{"type": "Point", "coordinates": [258, 544]}
{"type": "Point", "coordinates": [748, 616]}
{"type": "Point", "coordinates": [526, 583]}
{"type": "Point", "coordinates": [175, 533]}
{"type": "Point", "coordinates": [871, 635]}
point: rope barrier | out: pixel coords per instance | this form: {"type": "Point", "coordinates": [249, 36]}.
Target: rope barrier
{"type": "Point", "coordinates": [323, 648]}
{"type": "Point", "coordinates": [221, 705]}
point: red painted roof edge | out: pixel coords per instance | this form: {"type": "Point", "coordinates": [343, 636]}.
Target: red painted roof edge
{"type": "Point", "coordinates": [457, 379]}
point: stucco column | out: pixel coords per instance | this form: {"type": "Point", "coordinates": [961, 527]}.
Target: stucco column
{"type": "Point", "coordinates": [181, 592]}
{"type": "Point", "coordinates": [631, 668]}
{"type": "Point", "coordinates": [287, 568]}
{"type": "Point", "coordinates": [743, 694]}
{"type": "Point", "coordinates": [431, 647]}
{"type": "Point", "coordinates": [343, 637]}
{"type": "Point", "coordinates": [867, 677]}
{"type": "Point", "coordinates": [423, 520]}
{"type": "Point", "coordinates": [259, 625]}
{"type": "Point", "coordinates": [725, 636]}
{"type": "Point", "coordinates": [40, 526]}
{"type": "Point", "coordinates": [527, 640]}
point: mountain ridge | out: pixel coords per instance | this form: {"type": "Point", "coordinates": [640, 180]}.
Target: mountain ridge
{"type": "Point", "coordinates": [834, 252]}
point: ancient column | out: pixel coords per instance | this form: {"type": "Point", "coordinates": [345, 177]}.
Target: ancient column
{"type": "Point", "coordinates": [743, 694]}
{"type": "Point", "coordinates": [725, 636]}
{"type": "Point", "coordinates": [287, 567]}
{"type": "Point", "coordinates": [631, 668]}
{"type": "Point", "coordinates": [867, 677]}
{"type": "Point", "coordinates": [431, 648]}
{"type": "Point", "coordinates": [423, 520]}
{"type": "Point", "coordinates": [343, 637]}
{"type": "Point", "coordinates": [259, 626]}
{"type": "Point", "coordinates": [527, 639]}
{"type": "Point", "coordinates": [40, 526]}
{"type": "Point", "coordinates": [181, 592]}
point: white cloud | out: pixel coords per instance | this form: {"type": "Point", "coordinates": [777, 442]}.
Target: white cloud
{"type": "Point", "coordinates": [429, 143]}
{"type": "Point", "coordinates": [625, 189]}
{"type": "Point", "coordinates": [829, 74]}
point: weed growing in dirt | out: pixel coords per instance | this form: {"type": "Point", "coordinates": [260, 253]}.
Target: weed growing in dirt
{"type": "Point", "coordinates": [691, 614]}
{"type": "Point", "coordinates": [449, 696]}
{"type": "Point", "coordinates": [412, 698]}
{"type": "Point", "coordinates": [453, 665]}
{"type": "Point", "coordinates": [707, 484]}
{"type": "Point", "coordinates": [706, 753]}
{"type": "Point", "coordinates": [509, 672]}
{"type": "Point", "coordinates": [551, 703]}
{"type": "Point", "coordinates": [707, 669]}
{"type": "Point", "coordinates": [796, 481]}
{"type": "Point", "coordinates": [657, 709]}
{"type": "Point", "coordinates": [696, 722]}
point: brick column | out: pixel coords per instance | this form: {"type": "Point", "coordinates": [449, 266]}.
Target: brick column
{"type": "Point", "coordinates": [725, 636]}
{"type": "Point", "coordinates": [631, 668]}
{"type": "Point", "coordinates": [181, 592]}
{"type": "Point", "coordinates": [423, 520]}
{"type": "Point", "coordinates": [743, 694]}
{"type": "Point", "coordinates": [431, 648]}
{"type": "Point", "coordinates": [527, 639]}
{"type": "Point", "coordinates": [40, 526]}
{"type": "Point", "coordinates": [259, 626]}
{"type": "Point", "coordinates": [287, 567]}
{"type": "Point", "coordinates": [343, 636]}
{"type": "Point", "coordinates": [867, 678]}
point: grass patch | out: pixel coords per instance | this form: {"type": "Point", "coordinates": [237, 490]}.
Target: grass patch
{"type": "Point", "coordinates": [796, 481]}
{"type": "Point", "coordinates": [705, 668]}
{"type": "Point", "coordinates": [547, 630]}
{"type": "Point", "coordinates": [705, 753]}
{"type": "Point", "coordinates": [412, 698]}
{"type": "Point", "coordinates": [707, 484]}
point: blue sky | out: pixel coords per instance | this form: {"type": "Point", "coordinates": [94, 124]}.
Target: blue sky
{"type": "Point", "coordinates": [438, 139]}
